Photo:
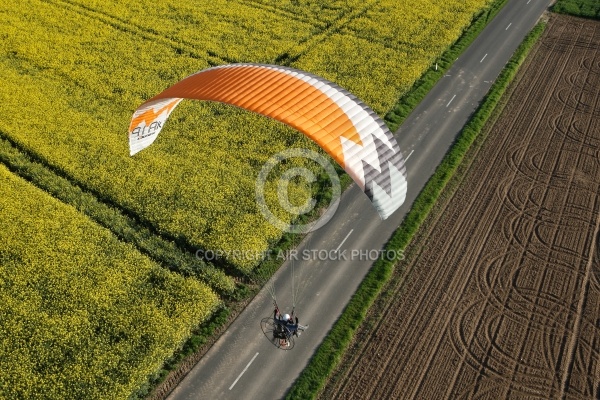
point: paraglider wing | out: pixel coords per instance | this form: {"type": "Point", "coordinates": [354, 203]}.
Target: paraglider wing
{"type": "Point", "coordinates": [347, 129]}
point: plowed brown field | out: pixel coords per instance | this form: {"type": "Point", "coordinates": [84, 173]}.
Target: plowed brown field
{"type": "Point", "coordinates": [501, 297]}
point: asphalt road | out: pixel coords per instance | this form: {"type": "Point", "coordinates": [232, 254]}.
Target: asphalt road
{"type": "Point", "coordinates": [332, 261]}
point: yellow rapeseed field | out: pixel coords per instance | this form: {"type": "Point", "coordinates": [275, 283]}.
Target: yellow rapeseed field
{"type": "Point", "coordinates": [82, 315]}
{"type": "Point", "coordinates": [74, 71]}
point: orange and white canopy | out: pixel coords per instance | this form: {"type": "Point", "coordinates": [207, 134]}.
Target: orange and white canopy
{"type": "Point", "coordinates": [340, 123]}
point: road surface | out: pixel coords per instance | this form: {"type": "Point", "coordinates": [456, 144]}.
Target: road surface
{"type": "Point", "coordinates": [243, 364]}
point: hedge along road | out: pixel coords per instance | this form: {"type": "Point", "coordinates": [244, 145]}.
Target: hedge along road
{"type": "Point", "coordinates": [243, 363]}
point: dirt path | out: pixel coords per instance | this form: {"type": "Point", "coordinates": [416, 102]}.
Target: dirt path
{"type": "Point", "coordinates": [501, 297]}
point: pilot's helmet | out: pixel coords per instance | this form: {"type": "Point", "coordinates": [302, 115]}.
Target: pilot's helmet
{"type": "Point", "coordinates": [286, 317]}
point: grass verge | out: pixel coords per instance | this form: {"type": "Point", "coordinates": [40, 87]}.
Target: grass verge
{"type": "Point", "coordinates": [336, 343]}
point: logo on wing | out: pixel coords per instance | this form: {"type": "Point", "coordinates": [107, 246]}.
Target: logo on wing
{"type": "Point", "coordinates": [147, 123]}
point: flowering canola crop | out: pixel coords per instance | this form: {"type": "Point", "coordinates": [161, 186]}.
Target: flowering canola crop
{"type": "Point", "coordinates": [73, 72]}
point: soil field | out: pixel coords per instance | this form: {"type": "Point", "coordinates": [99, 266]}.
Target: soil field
{"type": "Point", "coordinates": [500, 294]}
